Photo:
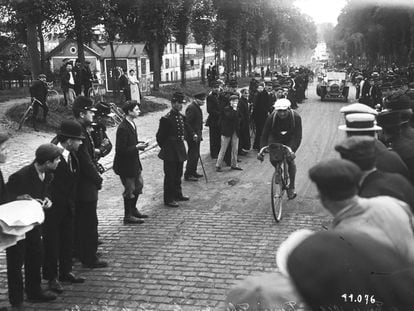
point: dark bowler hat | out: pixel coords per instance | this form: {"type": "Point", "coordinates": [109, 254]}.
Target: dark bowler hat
{"type": "Point", "coordinates": [357, 148]}
{"type": "Point", "coordinates": [83, 103]}
{"type": "Point", "coordinates": [71, 129]}
{"type": "Point", "coordinates": [357, 122]}
{"type": "Point", "coordinates": [389, 119]}
{"type": "Point", "coordinates": [47, 152]}
{"type": "Point", "coordinates": [178, 97]}
{"type": "Point", "coordinates": [338, 178]}
{"type": "Point", "coordinates": [215, 84]}
{"type": "Point", "coordinates": [103, 109]}
{"type": "Point", "coordinates": [200, 96]}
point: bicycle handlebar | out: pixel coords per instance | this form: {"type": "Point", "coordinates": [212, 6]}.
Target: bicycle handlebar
{"type": "Point", "coordinates": [267, 147]}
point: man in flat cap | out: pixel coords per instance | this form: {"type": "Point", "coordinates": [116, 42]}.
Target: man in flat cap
{"type": "Point", "coordinates": [385, 219]}
{"type": "Point", "coordinates": [59, 220]}
{"type": "Point", "coordinates": [170, 136]}
{"type": "Point", "coordinates": [31, 181]}
{"type": "Point", "coordinates": [230, 131]}
{"type": "Point", "coordinates": [38, 90]}
{"type": "Point", "coordinates": [90, 182]}
{"type": "Point", "coordinates": [359, 122]}
{"type": "Point", "coordinates": [214, 112]}
{"type": "Point", "coordinates": [361, 151]}
{"type": "Point", "coordinates": [194, 118]}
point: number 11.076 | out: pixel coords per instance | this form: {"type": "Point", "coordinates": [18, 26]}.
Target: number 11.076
{"type": "Point", "coordinates": [367, 299]}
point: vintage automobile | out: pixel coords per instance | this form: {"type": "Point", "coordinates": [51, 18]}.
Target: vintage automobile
{"type": "Point", "coordinates": [333, 86]}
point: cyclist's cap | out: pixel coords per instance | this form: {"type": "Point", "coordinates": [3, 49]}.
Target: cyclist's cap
{"type": "Point", "coordinates": [41, 76]}
{"type": "Point", "coordinates": [232, 97]}
{"type": "Point", "coordinates": [71, 129]}
{"type": "Point", "coordinates": [359, 122]}
{"type": "Point", "coordinates": [178, 97]}
{"type": "Point", "coordinates": [358, 108]}
{"type": "Point", "coordinates": [337, 179]}
{"type": "Point", "coordinates": [47, 152]}
{"type": "Point", "coordinates": [357, 148]}
{"type": "Point", "coordinates": [282, 104]}
{"type": "Point", "coordinates": [200, 96]}
{"type": "Point", "coordinates": [83, 103]}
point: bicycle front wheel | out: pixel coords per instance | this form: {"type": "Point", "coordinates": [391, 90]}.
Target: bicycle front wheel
{"type": "Point", "coordinates": [277, 193]}
{"type": "Point", "coordinates": [25, 116]}
{"type": "Point", "coordinates": [53, 100]}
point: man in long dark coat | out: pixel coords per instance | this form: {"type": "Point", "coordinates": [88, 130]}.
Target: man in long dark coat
{"type": "Point", "coordinates": [214, 113]}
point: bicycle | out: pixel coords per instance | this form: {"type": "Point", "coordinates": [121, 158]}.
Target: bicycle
{"type": "Point", "coordinates": [280, 178]}
{"type": "Point", "coordinates": [26, 113]}
{"type": "Point", "coordinates": [95, 93]}
{"type": "Point", "coordinates": [117, 114]}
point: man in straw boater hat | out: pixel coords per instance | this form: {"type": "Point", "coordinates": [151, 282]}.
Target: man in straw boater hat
{"type": "Point", "coordinates": [360, 121]}
{"type": "Point", "coordinates": [58, 225]}
{"type": "Point", "coordinates": [374, 182]}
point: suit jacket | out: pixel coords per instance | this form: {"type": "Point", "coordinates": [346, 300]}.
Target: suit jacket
{"type": "Point", "coordinates": [27, 181]}
{"type": "Point", "coordinates": [262, 105]}
{"type": "Point", "coordinates": [63, 186]}
{"type": "Point", "coordinates": [213, 110]}
{"type": "Point", "coordinates": [89, 179]}
{"type": "Point", "coordinates": [230, 122]}
{"type": "Point", "coordinates": [39, 90]}
{"type": "Point", "coordinates": [126, 160]}
{"type": "Point", "coordinates": [170, 137]}
{"type": "Point", "coordinates": [65, 80]}
{"type": "Point", "coordinates": [194, 118]}
{"type": "Point", "coordinates": [379, 183]}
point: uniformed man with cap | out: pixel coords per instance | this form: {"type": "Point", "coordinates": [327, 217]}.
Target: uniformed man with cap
{"type": "Point", "coordinates": [31, 181]}
{"type": "Point", "coordinates": [90, 182]}
{"type": "Point", "coordinates": [194, 118]}
{"type": "Point", "coordinates": [360, 121]}
{"type": "Point", "coordinates": [170, 136]}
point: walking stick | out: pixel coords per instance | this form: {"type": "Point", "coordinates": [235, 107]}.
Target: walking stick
{"type": "Point", "coordinates": [202, 166]}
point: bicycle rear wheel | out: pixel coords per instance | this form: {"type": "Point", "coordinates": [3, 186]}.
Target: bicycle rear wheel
{"type": "Point", "coordinates": [24, 116]}
{"type": "Point", "coordinates": [277, 193]}
{"type": "Point", "coordinates": [53, 100]}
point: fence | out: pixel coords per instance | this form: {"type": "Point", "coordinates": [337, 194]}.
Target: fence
{"type": "Point", "coordinates": [13, 84]}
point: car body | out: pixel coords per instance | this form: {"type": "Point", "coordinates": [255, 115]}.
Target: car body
{"type": "Point", "coordinates": [333, 86]}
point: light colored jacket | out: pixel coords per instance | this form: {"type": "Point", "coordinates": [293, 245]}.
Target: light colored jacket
{"type": "Point", "coordinates": [383, 218]}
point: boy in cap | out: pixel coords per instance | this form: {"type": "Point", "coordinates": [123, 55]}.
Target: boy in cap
{"type": "Point", "coordinates": [127, 163]}
{"type": "Point", "coordinates": [90, 182]}
{"type": "Point", "coordinates": [361, 150]}
{"type": "Point", "coordinates": [194, 118]}
{"type": "Point", "coordinates": [58, 225]}
{"type": "Point", "coordinates": [39, 90]}
{"type": "Point", "coordinates": [385, 219]}
{"type": "Point", "coordinates": [31, 181]}
{"type": "Point", "coordinates": [170, 136]}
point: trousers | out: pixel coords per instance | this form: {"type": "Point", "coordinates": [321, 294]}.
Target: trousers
{"type": "Point", "coordinates": [225, 141]}
{"type": "Point", "coordinates": [192, 158]}
{"type": "Point", "coordinates": [86, 224]}
{"type": "Point", "coordinates": [173, 171]}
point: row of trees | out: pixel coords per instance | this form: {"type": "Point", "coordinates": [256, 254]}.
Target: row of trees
{"type": "Point", "coordinates": [244, 29]}
{"type": "Point", "coordinates": [378, 32]}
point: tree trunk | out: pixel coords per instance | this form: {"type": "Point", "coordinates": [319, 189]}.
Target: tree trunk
{"type": "Point", "coordinates": [42, 48]}
{"type": "Point", "coordinates": [249, 58]}
{"type": "Point", "coordinates": [411, 47]}
{"type": "Point", "coordinates": [157, 65]}
{"type": "Point", "coordinates": [254, 54]}
{"type": "Point", "coordinates": [228, 60]}
{"type": "Point", "coordinates": [32, 49]}
{"type": "Point", "coordinates": [243, 62]}
{"type": "Point", "coordinates": [183, 67]}
{"type": "Point", "coordinates": [203, 66]}
{"type": "Point", "coordinates": [77, 15]}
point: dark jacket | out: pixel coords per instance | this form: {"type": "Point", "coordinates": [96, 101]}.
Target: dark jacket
{"type": "Point", "coordinates": [126, 160]}
{"type": "Point", "coordinates": [27, 181]}
{"type": "Point", "coordinates": [389, 161]}
{"type": "Point", "coordinates": [230, 122]}
{"type": "Point", "coordinates": [39, 90]}
{"type": "Point", "coordinates": [194, 118]}
{"type": "Point", "coordinates": [273, 127]}
{"type": "Point", "coordinates": [170, 137]}
{"type": "Point", "coordinates": [65, 80]}
{"type": "Point", "coordinates": [89, 179]}
{"type": "Point", "coordinates": [213, 110]}
{"type": "Point", "coordinates": [262, 105]}
{"type": "Point", "coordinates": [379, 183]}
{"type": "Point", "coordinates": [405, 149]}
{"type": "Point", "coordinates": [64, 184]}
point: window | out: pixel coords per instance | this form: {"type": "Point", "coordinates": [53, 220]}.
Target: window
{"type": "Point", "coordinates": [166, 76]}
{"type": "Point", "coordinates": [171, 48]}
{"type": "Point", "coordinates": [143, 66]}
{"type": "Point", "coordinates": [176, 75]}
{"type": "Point", "coordinates": [175, 47]}
{"type": "Point", "coordinates": [167, 63]}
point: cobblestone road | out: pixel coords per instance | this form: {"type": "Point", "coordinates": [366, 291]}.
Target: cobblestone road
{"type": "Point", "coordinates": [187, 258]}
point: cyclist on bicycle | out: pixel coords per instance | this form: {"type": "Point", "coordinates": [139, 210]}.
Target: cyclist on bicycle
{"type": "Point", "coordinates": [39, 90]}
{"type": "Point", "coordinates": [284, 126]}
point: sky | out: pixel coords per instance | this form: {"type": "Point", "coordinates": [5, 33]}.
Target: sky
{"type": "Point", "coordinates": [322, 11]}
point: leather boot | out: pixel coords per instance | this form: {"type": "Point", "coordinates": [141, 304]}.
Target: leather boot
{"type": "Point", "coordinates": [129, 218]}
{"type": "Point", "coordinates": [135, 211]}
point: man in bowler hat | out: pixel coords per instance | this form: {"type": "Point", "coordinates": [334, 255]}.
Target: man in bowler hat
{"type": "Point", "coordinates": [90, 182]}
{"type": "Point", "coordinates": [31, 181]}
{"type": "Point", "coordinates": [127, 163]}
{"type": "Point", "coordinates": [170, 136]}
{"type": "Point", "coordinates": [58, 225]}
{"type": "Point", "coordinates": [194, 117]}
